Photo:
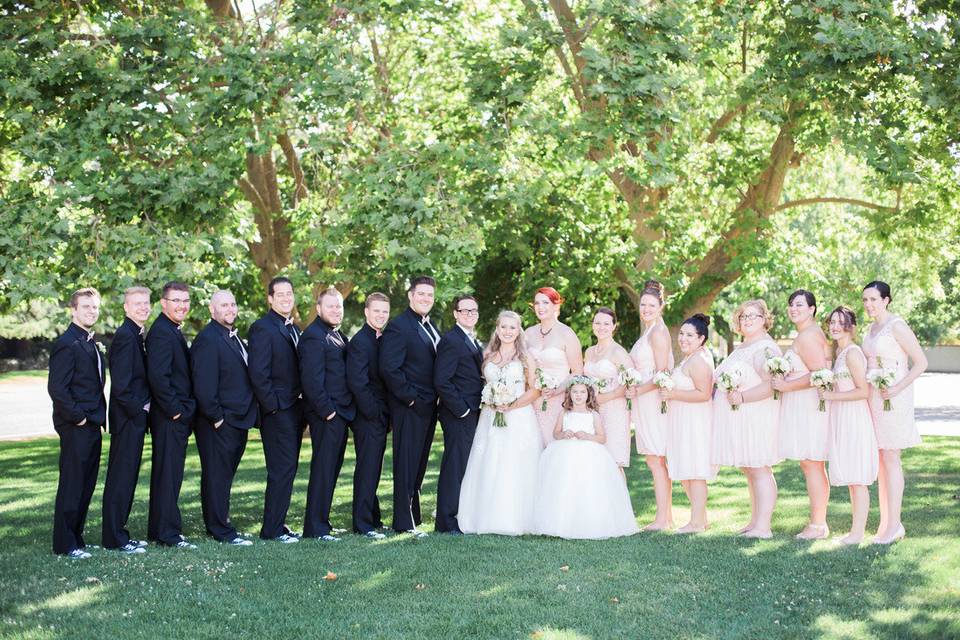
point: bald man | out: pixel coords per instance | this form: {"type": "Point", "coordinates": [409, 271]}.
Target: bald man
{"type": "Point", "coordinates": [226, 410]}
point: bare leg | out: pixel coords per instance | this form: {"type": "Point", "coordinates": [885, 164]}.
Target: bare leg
{"type": "Point", "coordinates": [893, 468]}
{"type": "Point", "coordinates": [882, 498]}
{"type": "Point", "coordinates": [860, 506]}
{"type": "Point", "coordinates": [753, 502]}
{"type": "Point", "coordinates": [765, 489]}
{"type": "Point", "coordinates": [696, 491]}
{"type": "Point", "coordinates": [663, 492]}
{"type": "Point", "coordinates": [818, 489]}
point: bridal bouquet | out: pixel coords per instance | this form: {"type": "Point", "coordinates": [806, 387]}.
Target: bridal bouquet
{"type": "Point", "coordinates": [881, 379]}
{"type": "Point", "coordinates": [495, 394]}
{"type": "Point", "coordinates": [663, 380]}
{"type": "Point", "coordinates": [630, 377]}
{"type": "Point", "coordinates": [546, 381]}
{"type": "Point", "coordinates": [728, 381]}
{"type": "Point", "coordinates": [777, 366]}
{"type": "Point", "coordinates": [822, 379]}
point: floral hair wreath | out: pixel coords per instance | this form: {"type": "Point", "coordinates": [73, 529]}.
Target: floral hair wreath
{"type": "Point", "coordinates": [581, 379]}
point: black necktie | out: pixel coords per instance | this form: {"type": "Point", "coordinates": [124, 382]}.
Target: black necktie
{"type": "Point", "coordinates": [243, 350]}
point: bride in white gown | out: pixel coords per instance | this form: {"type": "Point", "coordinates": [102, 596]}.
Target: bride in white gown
{"type": "Point", "coordinates": [499, 485]}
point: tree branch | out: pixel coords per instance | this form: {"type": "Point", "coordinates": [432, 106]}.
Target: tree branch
{"type": "Point", "coordinates": [293, 162]}
{"type": "Point", "coordinates": [834, 200]}
{"type": "Point", "coordinates": [720, 123]}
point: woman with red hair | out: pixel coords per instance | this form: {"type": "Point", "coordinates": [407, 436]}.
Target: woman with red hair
{"type": "Point", "coordinates": [557, 351]}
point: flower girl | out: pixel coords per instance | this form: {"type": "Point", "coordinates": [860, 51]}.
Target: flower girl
{"type": "Point", "coordinates": [581, 493]}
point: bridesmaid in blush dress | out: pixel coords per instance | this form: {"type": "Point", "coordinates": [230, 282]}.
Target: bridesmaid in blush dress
{"type": "Point", "coordinates": [890, 344]}
{"type": "Point", "coordinates": [603, 362]}
{"type": "Point", "coordinates": [690, 420]}
{"type": "Point", "coordinates": [556, 350]}
{"type": "Point", "coordinates": [804, 430]}
{"type": "Point", "coordinates": [746, 419]}
{"type": "Point", "coordinates": [652, 353]}
{"type": "Point", "coordinates": [853, 444]}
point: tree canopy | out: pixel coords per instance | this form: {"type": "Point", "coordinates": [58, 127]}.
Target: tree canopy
{"type": "Point", "coordinates": [728, 148]}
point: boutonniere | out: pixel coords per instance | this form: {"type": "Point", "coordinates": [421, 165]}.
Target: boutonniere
{"type": "Point", "coordinates": [101, 348]}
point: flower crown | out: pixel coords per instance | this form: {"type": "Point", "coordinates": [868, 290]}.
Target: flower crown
{"type": "Point", "coordinates": [581, 379]}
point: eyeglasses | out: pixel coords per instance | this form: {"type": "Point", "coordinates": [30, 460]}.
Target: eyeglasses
{"type": "Point", "coordinates": [750, 316]}
{"type": "Point", "coordinates": [468, 312]}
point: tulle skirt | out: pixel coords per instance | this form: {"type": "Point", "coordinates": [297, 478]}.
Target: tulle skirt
{"type": "Point", "coordinates": [581, 493]}
{"type": "Point", "coordinates": [616, 422]}
{"type": "Point", "coordinates": [747, 437]}
{"type": "Point", "coordinates": [804, 430]}
{"type": "Point", "coordinates": [854, 458]}
{"type": "Point", "coordinates": [650, 425]}
{"type": "Point", "coordinates": [500, 482]}
{"type": "Point", "coordinates": [689, 440]}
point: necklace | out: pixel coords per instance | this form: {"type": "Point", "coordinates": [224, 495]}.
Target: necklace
{"type": "Point", "coordinates": [544, 334]}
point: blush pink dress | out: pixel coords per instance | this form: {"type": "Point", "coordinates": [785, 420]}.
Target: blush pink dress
{"type": "Point", "coordinates": [613, 414]}
{"type": "Point", "coordinates": [553, 361]}
{"type": "Point", "coordinates": [854, 458]}
{"type": "Point", "coordinates": [746, 437]}
{"type": "Point", "coordinates": [649, 425]}
{"type": "Point", "coordinates": [804, 430]}
{"type": "Point", "coordinates": [689, 432]}
{"type": "Point", "coordinates": [896, 429]}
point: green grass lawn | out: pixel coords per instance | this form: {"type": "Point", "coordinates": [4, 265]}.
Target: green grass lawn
{"type": "Point", "coordinates": [648, 586]}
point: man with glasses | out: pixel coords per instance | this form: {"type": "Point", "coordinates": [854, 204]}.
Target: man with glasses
{"type": "Point", "coordinates": [129, 408]}
{"type": "Point", "coordinates": [275, 376]}
{"type": "Point", "coordinates": [459, 382]}
{"type": "Point", "coordinates": [171, 414]}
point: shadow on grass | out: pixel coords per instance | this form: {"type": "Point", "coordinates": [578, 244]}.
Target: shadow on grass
{"type": "Point", "coordinates": [649, 585]}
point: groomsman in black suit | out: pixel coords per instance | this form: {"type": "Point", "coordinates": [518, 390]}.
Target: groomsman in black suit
{"type": "Point", "coordinates": [407, 352]}
{"type": "Point", "coordinates": [227, 409]}
{"type": "Point", "coordinates": [129, 408]}
{"type": "Point", "coordinates": [171, 414]}
{"type": "Point", "coordinates": [459, 383]}
{"type": "Point", "coordinates": [329, 407]}
{"type": "Point", "coordinates": [275, 375]}
{"type": "Point", "coordinates": [373, 418]}
{"type": "Point", "coordinates": [75, 384]}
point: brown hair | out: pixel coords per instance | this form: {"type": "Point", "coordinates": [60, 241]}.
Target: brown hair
{"type": "Point", "coordinates": [848, 319]}
{"type": "Point", "coordinates": [329, 291]}
{"type": "Point", "coordinates": [427, 280]}
{"type": "Point", "coordinates": [653, 288]}
{"type": "Point", "coordinates": [376, 296]}
{"type": "Point", "coordinates": [759, 304]}
{"type": "Point", "coordinates": [592, 403]}
{"type": "Point", "coordinates": [607, 311]}
{"type": "Point", "coordinates": [86, 292]}
{"type": "Point", "coordinates": [173, 285]}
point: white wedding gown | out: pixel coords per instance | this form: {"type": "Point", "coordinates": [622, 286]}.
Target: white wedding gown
{"type": "Point", "coordinates": [499, 485]}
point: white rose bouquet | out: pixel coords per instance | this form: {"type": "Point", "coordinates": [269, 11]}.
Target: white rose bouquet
{"type": "Point", "coordinates": [630, 377]}
{"type": "Point", "coordinates": [496, 394]}
{"type": "Point", "coordinates": [546, 381]}
{"type": "Point", "coordinates": [728, 381]}
{"type": "Point", "coordinates": [777, 366]}
{"type": "Point", "coordinates": [882, 379]}
{"type": "Point", "coordinates": [822, 379]}
{"type": "Point", "coordinates": [663, 380]}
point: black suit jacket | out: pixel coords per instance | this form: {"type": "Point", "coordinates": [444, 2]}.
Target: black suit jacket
{"type": "Point", "coordinates": [363, 373]}
{"type": "Point", "coordinates": [168, 370]}
{"type": "Point", "coordinates": [220, 381]}
{"type": "Point", "coordinates": [456, 374]}
{"type": "Point", "coordinates": [129, 389]}
{"type": "Point", "coordinates": [323, 372]}
{"type": "Point", "coordinates": [274, 367]}
{"type": "Point", "coordinates": [75, 381]}
{"type": "Point", "coordinates": [406, 359]}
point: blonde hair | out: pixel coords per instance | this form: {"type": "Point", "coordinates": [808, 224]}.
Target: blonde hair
{"type": "Point", "coordinates": [494, 345]}
{"type": "Point", "coordinates": [759, 304]}
{"type": "Point", "coordinates": [133, 291]}
{"type": "Point", "coordinates": [592, 403]}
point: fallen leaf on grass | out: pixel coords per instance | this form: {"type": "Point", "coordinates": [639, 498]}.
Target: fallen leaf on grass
{"type": "Point", "coordinates": [536, 635]}
{"type": "Point", "coordinates": [92, 580]}
{"type": "Point", "coordinates": [420, 586]}
{"type": "Point", "coordinates": [565, 567]}
{"type": "Point", "coordinates": [615, 600]}
{"type": "Point", "coordinates": [330, 577]}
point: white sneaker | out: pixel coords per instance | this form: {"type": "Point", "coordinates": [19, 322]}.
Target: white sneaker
{"type": "Point", "coordinates": [131, 548]}
{"type": "Point", "coordinates": [183, 544]}
{"type": "Point", "coordinates": [374, 535]}
{"type": "Point", "coordinates": [240, 541]}
{"type": "Point", "coordinates": [79, 554]}
{"type": "Point", "coordinates": [286, 538]}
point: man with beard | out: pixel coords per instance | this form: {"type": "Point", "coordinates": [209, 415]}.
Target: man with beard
{"type": "Point", "coordinates": [226, 411]}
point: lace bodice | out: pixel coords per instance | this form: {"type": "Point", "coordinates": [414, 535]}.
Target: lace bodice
{"type": "Point", "coordinates": [883, 350]}
{"type": "Point", "coordinates": [512, 373]}
{"type": "Point", "coordinates": [578, 422]}
{"type": "Point", "coordinates": [842, 379]}
{"type": "Point", "coordinates": [748, 359]}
